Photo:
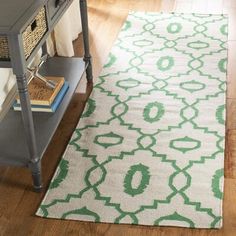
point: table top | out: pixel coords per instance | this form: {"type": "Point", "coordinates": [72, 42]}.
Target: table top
{"type": "Point", "coordinates": [12, 12]}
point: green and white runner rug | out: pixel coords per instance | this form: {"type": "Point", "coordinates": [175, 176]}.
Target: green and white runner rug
{"type": "Point", "coordinates": [149, 148]}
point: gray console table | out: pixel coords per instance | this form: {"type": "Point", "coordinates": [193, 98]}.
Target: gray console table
{"type": "Point", "coordinates": [24, 27]}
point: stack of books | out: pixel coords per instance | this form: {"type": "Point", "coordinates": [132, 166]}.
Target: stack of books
{"type": "Point", "coordinates": [42, 97]}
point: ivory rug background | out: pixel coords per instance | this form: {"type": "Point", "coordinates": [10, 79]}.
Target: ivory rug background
{"type": "Point", "coordinates": [149, 148]}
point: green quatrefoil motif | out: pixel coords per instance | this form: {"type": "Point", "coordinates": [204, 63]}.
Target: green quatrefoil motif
{"type": "Point", "coordinates": [63, 169]}
{"type": "Point", "coordinates": [90, 108]}
{"type": "Point", "coordinates": [108, 139]}
{"type": "Point", "coordinates": [112, 60]}
{"type": "Point", "coordinates": [174, 28]}
{"type": "Point", "coordinates": [165, 63]}
{"type": "Point", "coordinates": [175, 217]}
{"type": "Point", "coordinates": [185, 144]}
{"type": "Point", "coordinates": [192, 86]}
{"type": "Point", "coordinates": [223, 65]}
{"type": "Point", "coordinates": [153, 112]}
{"type": "Point", "coordinates": [216, 189]}
{"type": "Point", "coordinates": [198, 45]}
{"type": "Point", "coordinates": [224, 29]}
{"type": "Point", "coordinates": [128, 83]}
{"type": "Point", "coordinates": [220, 114]}
{"type": "Point", "coordinates": [143, 181]}
{"type": "Point", "coordinates": [143, 43]}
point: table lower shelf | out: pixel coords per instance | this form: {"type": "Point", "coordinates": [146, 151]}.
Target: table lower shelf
{"type": "Point", "coordinates": [13, 146]}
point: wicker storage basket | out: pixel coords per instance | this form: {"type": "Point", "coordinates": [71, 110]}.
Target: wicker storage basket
{"type": "Point", "coordinates": [4, 50]}
{"type": "Point", "coordinates": [31, 36]}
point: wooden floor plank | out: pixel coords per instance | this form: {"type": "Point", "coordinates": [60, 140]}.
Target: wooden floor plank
{"type": "Point", "coordinates": [231, 70]}
{"type": "Point", "coordinates": [231, 114]}
{"type": "Point", "coordinates": [167, 5]}
{"type": "Point", "coordinates": [230, 11]}
{"type": "Point", "coordinates": [230, 157]}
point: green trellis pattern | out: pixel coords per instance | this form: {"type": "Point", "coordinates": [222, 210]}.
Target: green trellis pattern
{"type": "Point", "coordinates": [149, 147]}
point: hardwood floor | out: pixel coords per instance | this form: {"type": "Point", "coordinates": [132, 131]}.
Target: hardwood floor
{"type": "Point", "coordinates": [18, 202]}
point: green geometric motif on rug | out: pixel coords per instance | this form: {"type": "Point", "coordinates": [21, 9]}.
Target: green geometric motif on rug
{"type": "Point", "coordinates": [149, 147]}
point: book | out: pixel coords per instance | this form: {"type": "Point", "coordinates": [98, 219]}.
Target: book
{"type": "Point", "coordinates": [40, 94]}
{"type": "Point", "coordinates": [45, 108]}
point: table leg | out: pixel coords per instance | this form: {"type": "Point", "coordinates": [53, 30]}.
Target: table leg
{"type": "Point", "coordinates": [34, 162]}
{"type": "Point", "coordinates": [87, 56]}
